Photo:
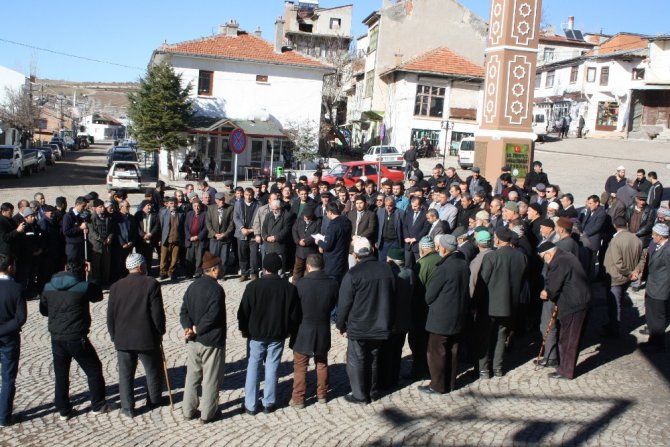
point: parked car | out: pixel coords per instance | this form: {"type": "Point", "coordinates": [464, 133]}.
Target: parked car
{"type": "Point", "coordinates": [48, 155]}
{"type": "Point", "coordinates": [124, 175]}
{"type": "Point", "coordinates": [351, 171]}
{"type": "Point", "coordinates": [56, 150]}
{"type": "Point", "coordinates": [391, 157]}
{"type": "Point", "coordinates": [70, 143]}
{"type": "Point", "coordinates": [540, 125]}
{"type": "Point", "coordinates": [16, 161]}
{"type": "Point", "coordinates": [466, 152]}
{"type": "Point", "coordinates": [41, 160]}
{"type": "Point", "coordinates": [121, 153]}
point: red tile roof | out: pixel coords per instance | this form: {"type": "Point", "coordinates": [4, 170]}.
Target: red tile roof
{"type": "Point", "coordinates": [241, 47]}
{"type": "Point", "coordinates": [563, 39]}
{"type": "Point", "coordinates": [443, 61]}
{"type": "Point", "coordinates": [623, 42]}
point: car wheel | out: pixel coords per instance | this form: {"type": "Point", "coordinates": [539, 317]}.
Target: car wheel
{"type": "Point", "coordinates": [19, 173]}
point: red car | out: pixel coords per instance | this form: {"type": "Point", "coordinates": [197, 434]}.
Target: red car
{"type": "Point", "coordinates": [351, 171]}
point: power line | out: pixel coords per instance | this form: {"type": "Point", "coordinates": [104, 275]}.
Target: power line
{"type": "Point", "coordinates": [60, 53]}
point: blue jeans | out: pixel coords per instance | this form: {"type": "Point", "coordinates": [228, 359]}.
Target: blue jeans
{"type": "Point", "coordinates": [10, 348]}
{"type": "Point", "coordinates": [271, 352]}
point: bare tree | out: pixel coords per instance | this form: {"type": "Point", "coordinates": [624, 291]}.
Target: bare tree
{"type": "Point", "coordinates": [19, 112]}
{"type": "Point", "coordinates": [304, 135]}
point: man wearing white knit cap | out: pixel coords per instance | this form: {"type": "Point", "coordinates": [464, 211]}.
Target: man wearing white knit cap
{"type": "Point", "coordinates": [136, 324]}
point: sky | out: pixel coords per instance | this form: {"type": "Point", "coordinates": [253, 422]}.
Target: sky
{"type": "Point", "coordinates": [120, 35]}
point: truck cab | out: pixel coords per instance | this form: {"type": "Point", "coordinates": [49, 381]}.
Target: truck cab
{"type": "Point", "coordinates": [540, 124]}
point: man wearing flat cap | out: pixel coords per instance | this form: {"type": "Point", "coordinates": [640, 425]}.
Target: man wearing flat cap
{"type": "Point", "coordinates": [203, 318]}
{"type": "Point", "coordinates": [269, 312]}
{"type": "Point", "coordinates": [503, 272]}
{"type": "Point", "coordinates": [136, 324]}
{"type": "Point", "coordinates": [447, 298]}
{"type": "Point", "coordinates": [195, 239]}
{"type": "Point", "coordinates": [172, 238]}
{"type": "Point", "coordinates": [657, 292]}
{"type": "Point", "coordinates": [148, 232]}
{"type": "Point", "coordinates": [100, 237]}
{"type": "Point", "coordinates": [567, 286]}
{"type": "Point", "coordinates": [641, 218]}
{"type": "Point", "coordinates": [220, 228]}
{"type": "Point", "coordinates": [621, 258]}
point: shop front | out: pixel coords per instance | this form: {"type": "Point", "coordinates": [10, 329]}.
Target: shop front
{"type": "Point", "coordinates": [608, 116]}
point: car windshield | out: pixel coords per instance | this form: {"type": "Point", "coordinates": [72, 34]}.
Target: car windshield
{"type": "Point", "coordinates": [389, 150]}
{"type": "Point", "coordinates": [125, 169]}
{"type": "Point", "coordinates": [6, 153]}
{"type": "Point", "coordinates": [339, 170]}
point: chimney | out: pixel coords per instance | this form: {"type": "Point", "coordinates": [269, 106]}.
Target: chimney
{"type": "Point", "coordinates": [279, 34]}
{"type": "Point", "coordinates": [571, 22]}
{"type": "Point", "coordinates": [258, 32]}
{"type": "Point", "coordinates": [229, 29]}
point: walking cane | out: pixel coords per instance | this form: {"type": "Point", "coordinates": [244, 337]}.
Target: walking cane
{"type": "Point", "coordinates": [167, 379]}
{"type": "Point", "coordinates": [546, 335]}
{"type": "Point", "coordinates": [86, 262]}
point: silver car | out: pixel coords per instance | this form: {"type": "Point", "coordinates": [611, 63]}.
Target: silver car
{"type": "Point", "coordinates": [390, 156]}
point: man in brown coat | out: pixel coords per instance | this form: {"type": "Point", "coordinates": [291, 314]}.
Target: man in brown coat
{"type": "Point", "coordinates": [621, 258]}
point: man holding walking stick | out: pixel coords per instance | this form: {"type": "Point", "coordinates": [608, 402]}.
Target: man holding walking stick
{"type": "Point", "coordinates": [568, 287]}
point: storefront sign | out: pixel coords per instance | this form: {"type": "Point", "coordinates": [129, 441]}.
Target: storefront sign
{"type": "Point", "coordinates": [517, 157]}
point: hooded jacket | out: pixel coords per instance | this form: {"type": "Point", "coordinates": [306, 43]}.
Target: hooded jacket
{"type": "Point", "coordinates": [65, 300]}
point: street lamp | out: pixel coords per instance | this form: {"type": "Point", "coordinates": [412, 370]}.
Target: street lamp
{"type": "Point", "coordinates": [447, 126]}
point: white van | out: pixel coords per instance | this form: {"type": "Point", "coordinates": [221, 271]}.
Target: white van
{"type": "Point", "coordinates": [466, 152]}
{"type": "Point", "coordinates": [540, 124]}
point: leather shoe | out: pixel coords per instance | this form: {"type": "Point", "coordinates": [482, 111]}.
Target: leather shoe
{"type": "Point", "coordinates": [557, 376]}
{"type": "Point", "coordinates": [244, 278]}
{"type": "Point", "coordinates": [248, 411]}
{"type": "Point", "coordinates": [296, 405]}
{"type": "Point", "coordinates": [428, 390]}
{"type": "Point", "coordinates": [546, 363]}
{"type": "Point", "coordinates": [484, 375]}
{"type": "Point", "coordinates": [269, 409]}
{"type": "Point", "coordinates": [498, 373]}
{"type": "Point", "coordinates": [352, 400]}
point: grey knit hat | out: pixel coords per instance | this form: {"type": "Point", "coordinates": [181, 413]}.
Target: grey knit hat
{"type": "Point", "coordinates": [134, 260]}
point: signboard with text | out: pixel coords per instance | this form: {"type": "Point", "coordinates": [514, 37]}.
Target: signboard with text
{"type": "Point", "coordinates": [517, 157]}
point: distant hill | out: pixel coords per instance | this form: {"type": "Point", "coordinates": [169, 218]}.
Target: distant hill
{"type": "Point", "coordinates": [105, 97]}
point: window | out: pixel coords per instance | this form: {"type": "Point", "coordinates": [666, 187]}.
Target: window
{"type": "Point", "coordinates": [374, 36]}
{"type": "Point", "coordinates": [305, 28]}
{"type": "Point", "coordinates": [548, 54]}
{"type": "Point", "coordinates": [591, 74]}
{"type": "Point", "coordinates": [369, 83]}
{"type": "Point", "coordinates": [574, 71]}
{"type": "Point", "coordinates": [604, 75]}
{"type": "Point", "coordinates": [429, 101]}
{"type": "Point", "coordinates": [550, 79]}
{"type": "Point", "coordinates": [262, 79]}
{"type": "Point", "coordinates": [335, 23]}
{"type": "Point", "coordinates": [538, 81]}
{"type": "Point", "coordinates": [608, 116]}
{"type": "Point", "coordinates": [205, 82]}
{"type": "Point", "coordinates": [638, 73]}
{"type": "Point", "coordinates": [370, 170]}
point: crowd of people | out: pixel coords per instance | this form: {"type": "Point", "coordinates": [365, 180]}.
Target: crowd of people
{"type": "Point", "coordinates": [456, 267]}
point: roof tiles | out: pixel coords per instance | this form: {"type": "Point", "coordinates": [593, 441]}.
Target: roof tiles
{"type": "Point", "coordinates": [443, 61]}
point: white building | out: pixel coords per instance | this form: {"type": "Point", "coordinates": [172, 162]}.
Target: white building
{"type": "Point", "coordinates": [10, 80]}
{"type": "Point", "coordinates": [102, 126]}
{"type": "Point", "coordinates": [240, 80]}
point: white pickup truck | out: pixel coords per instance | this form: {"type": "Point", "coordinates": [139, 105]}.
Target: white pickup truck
{"type": "Point", "coordinates": [14, 161]}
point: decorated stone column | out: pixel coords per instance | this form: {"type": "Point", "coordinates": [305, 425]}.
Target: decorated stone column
{"type": "Point", "coordinates": [505, 136]}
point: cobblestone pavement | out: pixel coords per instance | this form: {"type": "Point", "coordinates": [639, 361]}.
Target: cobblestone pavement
{"type": "Point", "coordinates": [620, 396]}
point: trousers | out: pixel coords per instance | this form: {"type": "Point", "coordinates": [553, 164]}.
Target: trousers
{"type": "Point", "coordinates": [169, 259]}
{"type": "Point", "coordinates": [493, 336]}
{"type": "Point", "coordinates": [152, 363]}
{"type": "Point", "coordinates": [551, 345]}
{"type": "Point", "coordinates": [259, 351]}
{"type": "Point", "coordinates": [204, 377]}
{"type": "Point", "coordinates": [657, 313]}
{"type": "Point", "coordinates": [248, 255]}
{"type": "Point", "coordinates": [443, 361]}
{"type": "Point", "coordinates": [10, 350]}
{"type": "Point", "coordinates": [193, 258]}
{"type": "Point", "coordinates": [614, 301]}
{"type": "Point", "coordinates": [390, 357]}
{"type": "Point", "coordinates": [300, 364]}
{"type": "Point", "coordinates": [571, 332]}
{"type": "Point", "coordinates": [362, 368]}
{"type": "Point", "coordinates": [83, 352]}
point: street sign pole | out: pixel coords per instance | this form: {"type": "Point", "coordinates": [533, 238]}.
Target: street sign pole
{"type": "Point", "coordinates": [235, 173]}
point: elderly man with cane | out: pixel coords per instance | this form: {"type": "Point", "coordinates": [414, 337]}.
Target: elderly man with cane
{"type": "Point", "coordinates": [568, 287]}
{"type": "Point", "coordinates": [136, 324]}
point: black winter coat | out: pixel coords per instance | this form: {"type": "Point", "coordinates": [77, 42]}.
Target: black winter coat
{"type": "Point", "coordinates": [204, 307]}
{"type": "Point", "coordinates": [302, 230]}
{"type": "Point", "coordinates": [65, 300]}
{"type": "Point", "coordinates": [135, 314]}
{"type": "Point", "coordinates": [336, 247]}
{"type": "Point", "coordinates": [318, 296]}
{"type": "Point", "coordinates": [269, 309]}
{"type": "Point", "coordinates": [567, 284]}
{"type": "Point", "coordinates": [447, 296]}
{"type": "Point", "coordinates": [366, 304]}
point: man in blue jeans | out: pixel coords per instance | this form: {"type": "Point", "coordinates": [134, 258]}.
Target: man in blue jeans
{"type": "Point", "coordinates": [12, 317]}
{"type": "Point", "coordinates": [268, 314]}
{"type": "Point", "coordinates": [65, 300]}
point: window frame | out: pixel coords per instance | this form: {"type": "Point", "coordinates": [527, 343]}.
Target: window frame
{"type": "Point", "coordinates": [369, 84]}
{"type": "Point", "coordinates": [210, 88]}
{"type": "Point", "coordinates": [335, 20]}
{"type": "Point", "coordinates": [538, 80]}
{"type": "Point", "coordinates": [551, 76]}
{"type": "Point", "coordinates": [574, 74]}
{"type": "Point", "coordinates": [262, 79]}
{"type": "Point", "coordinates": [604, 76]}
{"type": "Point", "coordinates": [425, 94]}
{"type": "Point", "coordinates": [591, 74]}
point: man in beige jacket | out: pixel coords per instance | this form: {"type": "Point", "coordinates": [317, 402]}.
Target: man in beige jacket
{"type": "Point", "coordinates": [621, 258]}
